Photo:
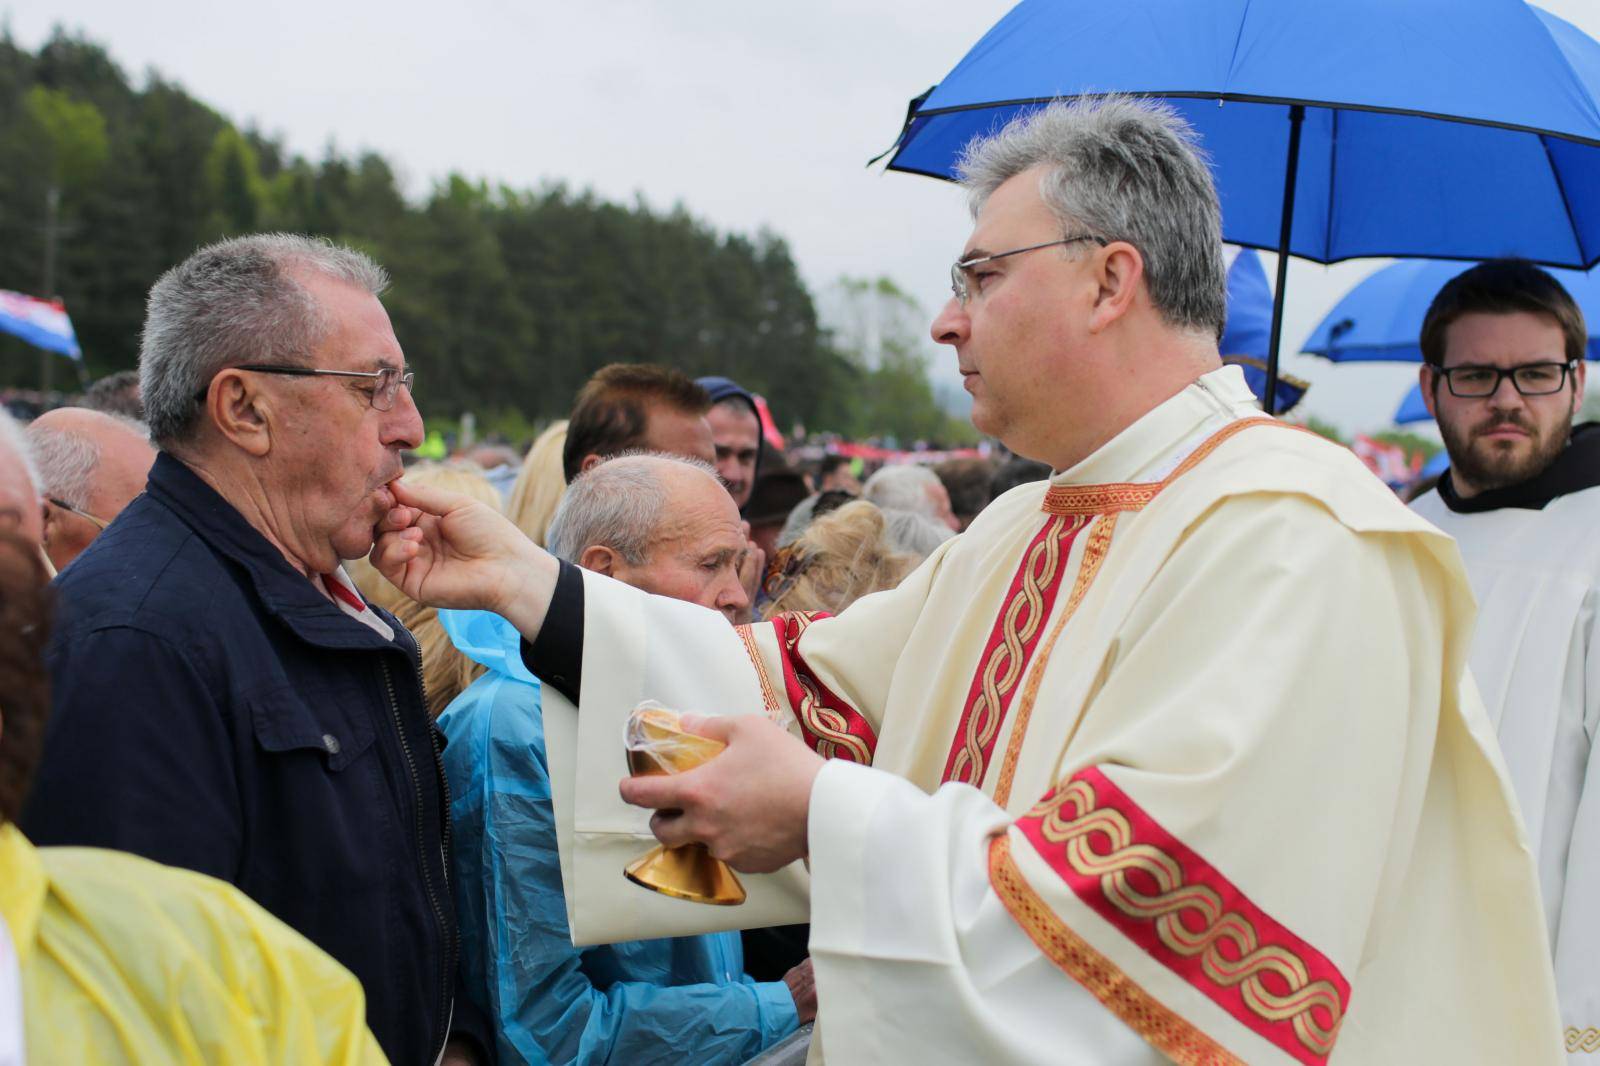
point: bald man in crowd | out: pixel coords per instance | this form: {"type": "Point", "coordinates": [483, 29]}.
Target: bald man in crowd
{"type": "Point", "coordinates": [91, 465]}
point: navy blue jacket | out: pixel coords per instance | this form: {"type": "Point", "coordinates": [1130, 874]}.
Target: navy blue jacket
{"type": "Point", "coordinates": [213, 710]}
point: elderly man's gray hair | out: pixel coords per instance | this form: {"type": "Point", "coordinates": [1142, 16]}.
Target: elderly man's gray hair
{"type": "Point", "coordinates": [1124, 170]}
{"type": "Point", "coordinates": [236, 301]}
{"type": "Point", "coordinates": [903, 487]}
{"type": "Point", "coordinates": [67, 459]}
{"type": "Point", "coordinates": [13, 437]}
{"type": "Point", "coordinates": [618, 504]}
{"type": "Point", "coordinates": [913, 532]}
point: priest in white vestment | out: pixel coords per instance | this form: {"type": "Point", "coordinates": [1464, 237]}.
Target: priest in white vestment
{"type": "Point", "coordinates": [1504, 344]}
{"type": "Point", "coordinates": [1174, 757]}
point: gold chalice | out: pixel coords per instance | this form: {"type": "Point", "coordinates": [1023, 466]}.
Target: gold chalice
{"type": "Point", "coordinates": [656, 745]}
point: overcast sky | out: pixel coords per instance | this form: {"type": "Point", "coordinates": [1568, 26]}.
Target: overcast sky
{"type": "Point", "coordinates": [751, 114]}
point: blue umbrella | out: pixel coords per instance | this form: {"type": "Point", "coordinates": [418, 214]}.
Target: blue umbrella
{"type": "Point", "coordinates": [1337, 129]}
{"type": "Point", "coordinates": [1381, 318]}
{"type": "Point", "coordinates": [1412, 408]}
{"type": "Point", "coordinates": [1246, 339]}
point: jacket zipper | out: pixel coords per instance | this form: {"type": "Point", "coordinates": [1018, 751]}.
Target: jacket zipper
{"type": "Point", "coordinates": [427, 876]}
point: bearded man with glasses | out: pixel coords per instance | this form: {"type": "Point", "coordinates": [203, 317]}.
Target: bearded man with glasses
{"type": "Point", "coordinates": [224, 699]}
{"type": "Point", "coordinates": [1504, 370]}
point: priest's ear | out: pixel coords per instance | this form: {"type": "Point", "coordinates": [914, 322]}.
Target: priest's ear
{"type": "Point", "coordinates": [1578, 378]}
{"type": "Point", "coordinates": [1118, 271]}
{"type": "Point", "coordinates": [600, 559]}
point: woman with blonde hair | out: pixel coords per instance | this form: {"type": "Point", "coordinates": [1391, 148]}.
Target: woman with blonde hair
{"type": "Point", "coordinates": [539, 487]}
{"type": "Point", "coordinates": [841, 557]}
{"type": "Point", "coordinates": [445, 671]}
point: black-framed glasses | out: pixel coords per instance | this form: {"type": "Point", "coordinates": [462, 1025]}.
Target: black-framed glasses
{"type": "Point", "coordinates": [961, 281]}
{"type": "Point", "coordinates": [100, 523]}
{"type": "Point", "coordinates": [1530, 379]}
{"type": "Point", "coordinates": [386, 380]}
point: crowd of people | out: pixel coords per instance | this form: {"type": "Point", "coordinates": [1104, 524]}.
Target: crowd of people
{"type": "Point", "coordinates": [1173, 736]}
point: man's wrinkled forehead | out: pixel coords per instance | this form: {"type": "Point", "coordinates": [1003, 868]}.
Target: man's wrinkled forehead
{"type": "Point", "coordinates": [699, 518]}
{"type": "Point", "coordinates": [355, 323]}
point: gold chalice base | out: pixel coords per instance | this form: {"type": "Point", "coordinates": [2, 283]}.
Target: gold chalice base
{"type": "Point", "coordinates": [688, 872]}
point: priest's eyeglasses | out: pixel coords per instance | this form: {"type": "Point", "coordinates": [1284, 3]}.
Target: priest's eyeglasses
{"type": "Point", "coordinates": [1530, 379]}
{"type": "Point", "coordinates": [962, 281]}
{"type": "Point", "coordinates": [386, 380]}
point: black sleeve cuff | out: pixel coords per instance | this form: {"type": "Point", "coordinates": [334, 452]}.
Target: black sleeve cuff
{"type": "Point", "coordinates": [556, 657]}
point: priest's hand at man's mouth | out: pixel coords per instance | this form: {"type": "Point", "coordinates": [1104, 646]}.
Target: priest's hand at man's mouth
{"type": "Point", "coordinates": [749, 805]}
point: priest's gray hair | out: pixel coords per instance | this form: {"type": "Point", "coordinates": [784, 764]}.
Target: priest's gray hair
{"type": "Point", "coordinates": [902, 487]}
{"type": "Point", "coordinates": [236, 301]}
{"type": "Point", "coordinates": [618, 504]}
{"type": "Point", "coordinates": [1122, 169]}
{"type": "Point", "coordinates": [913, 532]}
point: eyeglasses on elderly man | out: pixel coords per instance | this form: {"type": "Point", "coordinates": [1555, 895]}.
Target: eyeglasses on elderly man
{"type": "Point", "coordinates": [387, 380]}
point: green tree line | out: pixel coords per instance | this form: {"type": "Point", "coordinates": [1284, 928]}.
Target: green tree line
{"type": "Point", "coordinates": [505, 299]}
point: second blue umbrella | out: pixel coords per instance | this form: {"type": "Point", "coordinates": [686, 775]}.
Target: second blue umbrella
{"type": "Point", "coordinates": [1381, 318]}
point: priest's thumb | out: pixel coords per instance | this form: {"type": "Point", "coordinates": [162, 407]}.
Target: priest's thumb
{"type": "Point", "coordinates": [428, 498]}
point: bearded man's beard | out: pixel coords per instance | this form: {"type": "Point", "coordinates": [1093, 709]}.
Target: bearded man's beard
{"type": "Point", "coordinates": [1487, 465]}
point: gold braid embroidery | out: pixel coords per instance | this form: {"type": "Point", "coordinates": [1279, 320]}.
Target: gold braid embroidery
{"type": "Point", "coordinates": [1173, 899]}
{"type": "Point", "coordinates": [769, 695]}
{"type": "Point", "coordinates": [831, 728]}
{"type": "Point", "coordinates": [1094, 553]}
{"type": "Point", "coordinates": [1133, 496]}
{"type": "Point", "coordinates": [1583, 1040]}
{"type": "Point", "coordinates": [1163, 1028]}
{"type": "Point", "coordinates": [970, 764]}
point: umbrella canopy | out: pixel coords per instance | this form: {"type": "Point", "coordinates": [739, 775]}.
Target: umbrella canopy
{"type": "Point", "coordinates": [1246, 339]}
{"type": "Point", "coordinates": [1412, 408]}
{"type": "Point", "coordinates": [1339, 129]}
{"type": "Point", "coordinates": [1381, 318]}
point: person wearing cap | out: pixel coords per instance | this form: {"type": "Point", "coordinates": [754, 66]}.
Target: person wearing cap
{"type": "Point", "coordinates": [736, 430]}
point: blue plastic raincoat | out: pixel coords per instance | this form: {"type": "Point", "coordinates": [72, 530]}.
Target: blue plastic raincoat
{"type": "Point", "coordinates": [649, 1001]}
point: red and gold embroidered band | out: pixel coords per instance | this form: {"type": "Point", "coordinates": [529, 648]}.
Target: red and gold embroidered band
{"type": "Point", "coordinates": [1013, 637]}
{"type": "Point", "coordinates": [1133, 496]}
{"type": "Point", "coordinates": [1164, 1029]}
{"type": "Point", "coordinates": [1094, 553]}
{"type": "Point", "coordinates": [1183, 912]}
{"type": "Point", "coordinates": [833, 728]}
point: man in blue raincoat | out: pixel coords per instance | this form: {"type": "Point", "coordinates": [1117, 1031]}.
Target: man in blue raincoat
{"type": "Point", "coordinates": [667, 526]}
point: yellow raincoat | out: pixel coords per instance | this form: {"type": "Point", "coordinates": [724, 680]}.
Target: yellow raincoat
{"type": "Point", "coordinates": [125, 960]}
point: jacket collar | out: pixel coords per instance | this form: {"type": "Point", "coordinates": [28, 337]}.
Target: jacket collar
{"type": "Point", "coordinates": [284, 592]}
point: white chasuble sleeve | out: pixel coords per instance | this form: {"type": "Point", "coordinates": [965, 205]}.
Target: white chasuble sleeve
{"type": "Point", "coordinates": [1229, 861]}
{"type": "Point", "coordinates": [641, 647]}
{"type": "Point", "coordinates": [911, 945]}
{"type": "Point", "coordinates": [1577, 934]}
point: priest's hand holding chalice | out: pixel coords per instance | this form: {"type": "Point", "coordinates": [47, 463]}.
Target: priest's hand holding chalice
{"type": "Point", "coordinates": [656, 745]}
{"type": "Point", "coordinates": [729, 791]}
